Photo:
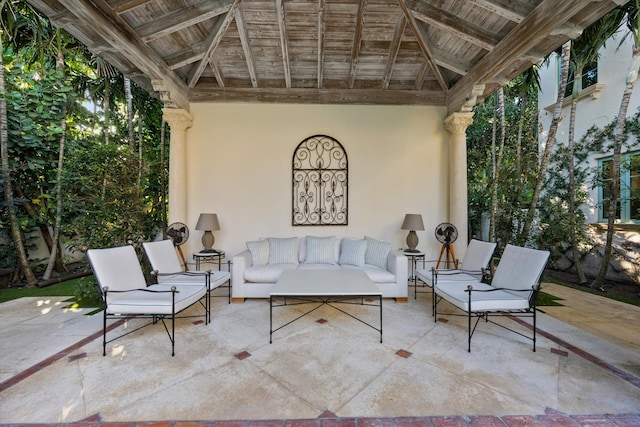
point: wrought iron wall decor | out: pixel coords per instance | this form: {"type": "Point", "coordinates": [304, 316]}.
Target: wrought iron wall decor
{"type": "Point", "coordinates": [320, 175]}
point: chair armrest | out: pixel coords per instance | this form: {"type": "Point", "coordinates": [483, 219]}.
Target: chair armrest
{"type": "Point", "coordinates": [173, 289]}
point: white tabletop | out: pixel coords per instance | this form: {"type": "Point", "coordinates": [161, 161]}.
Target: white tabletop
{"type": "Point", "coordinates": [325, 283]}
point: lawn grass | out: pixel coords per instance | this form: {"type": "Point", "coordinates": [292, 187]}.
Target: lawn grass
{"type": "Point", "coordinates": [547, 300]}
{"type": "Point", "coordinates": [76, 289]}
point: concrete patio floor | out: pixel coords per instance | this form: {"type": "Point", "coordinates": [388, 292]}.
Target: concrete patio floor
{"type": "Point", "coordinates": [325, 366]}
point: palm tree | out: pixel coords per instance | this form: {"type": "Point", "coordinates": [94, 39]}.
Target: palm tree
{"type": "Point", "coordinates": [632, 11]}
{"type": "Point", "coordinates": [546, 156]}
{"type": "Point", "coordinates": [584, 50]}
{"type": "Point", "coordinates": [500, 107]}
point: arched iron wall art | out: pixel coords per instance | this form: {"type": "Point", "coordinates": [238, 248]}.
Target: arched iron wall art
{"type": "Point", "coordinates": [320, 182]}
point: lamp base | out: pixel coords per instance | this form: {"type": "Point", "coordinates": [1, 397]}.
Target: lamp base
{"type": "Point", "coordinates": [207, 240]}
{"type": "Point", "coordinates": [412, 251]}
{"type": "Point", "coordinates": [412, 241]}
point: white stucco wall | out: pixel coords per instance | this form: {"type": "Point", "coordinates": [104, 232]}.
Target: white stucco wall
{"type": "Point", "coordinates": [239, 159]}
{"type": "Point", "coordinates": [613, 65]}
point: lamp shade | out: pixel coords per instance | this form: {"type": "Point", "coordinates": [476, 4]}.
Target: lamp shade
{"type": "Point", "coordinates": [208, 222]}
{"type": "Point", "coordinates": [412, 222]}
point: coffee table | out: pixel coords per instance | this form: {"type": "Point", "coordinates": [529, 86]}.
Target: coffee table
{"type": "Point", "coordinates": [323, 287]}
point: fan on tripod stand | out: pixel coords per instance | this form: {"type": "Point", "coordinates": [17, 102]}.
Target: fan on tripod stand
{"type": "Point", "coordinates": [447, 233]}
{"type": "Point", "coordinates": [179, 234]}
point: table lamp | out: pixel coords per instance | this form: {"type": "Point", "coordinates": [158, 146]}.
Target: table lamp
{"type": "Point", "coordinates": [412, 222]}
{"type": "Point", "coordinates": [208, 222]}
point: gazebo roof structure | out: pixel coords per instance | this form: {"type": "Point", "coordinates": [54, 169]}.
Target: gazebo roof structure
{"type": "Point", "coordinates": [449, 53]}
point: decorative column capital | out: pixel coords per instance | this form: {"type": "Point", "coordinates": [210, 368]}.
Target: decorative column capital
{"type": "Point", "coordinates": [457, 123]}
{"type": "Point", "coordinates": [177, 118]}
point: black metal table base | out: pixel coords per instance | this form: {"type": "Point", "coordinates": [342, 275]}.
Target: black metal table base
{"type": "Point", "coordinates": [320, 301]}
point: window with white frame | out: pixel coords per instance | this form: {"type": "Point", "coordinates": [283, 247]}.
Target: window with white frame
{"type": "Point", "coordinates": [628, 197]}
{"type": "Point", "coordinates": [589, 77]}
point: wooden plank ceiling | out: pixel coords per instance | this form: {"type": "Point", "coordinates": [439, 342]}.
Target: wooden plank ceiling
{"type": "Point", "coordinates": [432, 52]}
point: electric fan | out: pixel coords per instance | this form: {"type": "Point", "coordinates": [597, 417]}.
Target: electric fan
{"type": "Point", "coordinates": [179, 234]}
{"type": "Point", "coordinates": [447, 233]}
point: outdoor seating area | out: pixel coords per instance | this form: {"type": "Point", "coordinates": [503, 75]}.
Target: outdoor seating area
{"type": "Point", "coordinates": [324, 366]}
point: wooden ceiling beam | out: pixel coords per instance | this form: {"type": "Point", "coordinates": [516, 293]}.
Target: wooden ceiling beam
{"type": "Point", "coordinates": [114, 30]}
{"type": "Point", "coordinates": [394, 48]}
{"type": "Point", "coordinates": [321, 30]}
{"type": "Point", "coordinates": [185, 56]}
{"type": "Point", "coordinates": [547, 16]}
{"type": "Point", "coordinates": [284, 42]}
{"type": "Point", "coordinates": [450, 61]}
{"type": "Point", "coordinates": [357, 41]}
{"type": "Point", "coordinates": [246, 48]}
{"type": "Point", "coordinates": [421, 37]}
{"type": "Point", "coordinates": [513, 10]}
{"type": "Point", "coordinates": [216, 72]}
{"type": "Point", "coordinates": [122, 6]}
{"type": "Point", "coordinates": [182, 18]}
{"type": "Point", "coordinates": [319, 96]}
{"type": "Point", "coordinates": [467, 31]}
{"type": "Point", "coordinates": [218, 30]}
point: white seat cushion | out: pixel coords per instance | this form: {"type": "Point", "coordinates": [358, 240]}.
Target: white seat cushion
{"type": "Point", "coordinates": [269, 273]}
{"type": "Point", "coordinates": [375, 273]}
{"type": "Point", "coordinates": [455, 293]}
{"type": "Point", "coordinates": [141, 302]}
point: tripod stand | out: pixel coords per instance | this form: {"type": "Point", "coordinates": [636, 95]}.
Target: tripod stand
{"type": "Point", "coordinates": [450, 255]}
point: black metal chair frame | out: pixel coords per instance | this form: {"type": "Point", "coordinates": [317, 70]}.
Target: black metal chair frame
{"type": "Point", "coordinates": [529, 312]}
{"type": "Point", "coordinates": [155, 317]}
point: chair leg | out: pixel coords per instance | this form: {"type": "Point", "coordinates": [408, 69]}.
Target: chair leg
{"type": "Point", "coordinates": [104, 332]}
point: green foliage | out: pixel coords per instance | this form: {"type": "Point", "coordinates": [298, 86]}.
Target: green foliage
{"type": "Point", "coordinates": [113, 193]}
{"type": "Point", "coordinates": [518, 172]}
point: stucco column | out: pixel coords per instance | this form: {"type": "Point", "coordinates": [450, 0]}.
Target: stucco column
{"type": "Point", "coordinates": [456, 124]}
{"type": "Point", "coordinates": [179, 121]}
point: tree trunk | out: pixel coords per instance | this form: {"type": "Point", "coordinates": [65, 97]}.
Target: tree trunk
{"type": "Point", "coordinates": [492, 212]}
{"type": "Point", "coordinates": [572, 176]}
{"type": "Point", "coordinates": [498, 162]}
{"type": "Point", "coordinates": [58, 218]}
{"type": "Point", "coordinates": [546, 156]}
{"type": "Point", "coordinates": [128, 98]}
{"type": "Point", "coordinates": [632, 77]}
{"type": "Point", "coordinates": [16, 233]}
{"type": "Point", "coordinates": [44, 229]}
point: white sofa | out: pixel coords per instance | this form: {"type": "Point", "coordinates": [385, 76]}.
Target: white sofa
{"type": "Point", "coordinates": [255, 271]}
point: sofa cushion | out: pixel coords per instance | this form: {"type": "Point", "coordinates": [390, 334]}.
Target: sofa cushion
{"type": "Point", "coordinates": [320, 250]}
{"type": "Point", "coordinates": [377, 252]}
{"type": "Point", "coordinates": [375, 273]}
{"type": "Point", "coordinates": [266, 273]}
{"type": "Point", "coordinates": [352, 252]}
{"type": "Point", "coordinates": [283, 251]}
{"type": "Point", "coordinates": [259, 252]}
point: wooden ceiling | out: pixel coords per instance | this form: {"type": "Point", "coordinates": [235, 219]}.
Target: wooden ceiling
{"type": "Point", "coordinates": [433, 52]}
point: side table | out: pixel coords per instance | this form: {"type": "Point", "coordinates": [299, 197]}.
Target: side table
{"type": "Point", "coordinates": [215, 257]}
{"type": "Point", "coordinates": [414, 257]}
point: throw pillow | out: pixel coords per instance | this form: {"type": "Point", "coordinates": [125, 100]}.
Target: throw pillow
{"type": "Point", "coordinates": [377, 252]}
{"type": "Point", "coordinates": [259, 252]}
{"type": "Point", "coordinates": [283, 251]}
{"type": "Point", "coordinates": [352, 252]}
{"type": "Point", "coordinates": [320, 250]}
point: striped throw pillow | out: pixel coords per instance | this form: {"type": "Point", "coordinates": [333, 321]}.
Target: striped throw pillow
{"type": "Point", "coordinates": [321, 250]}
{"type": "Point", "coordinates": [259, 252]}
{"type": "Point", "coordinates": [377, 252]}
{"type": "Point", "coordinates": [352, 252]}
{"type": "Point", "coordinates": [283, 251]}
